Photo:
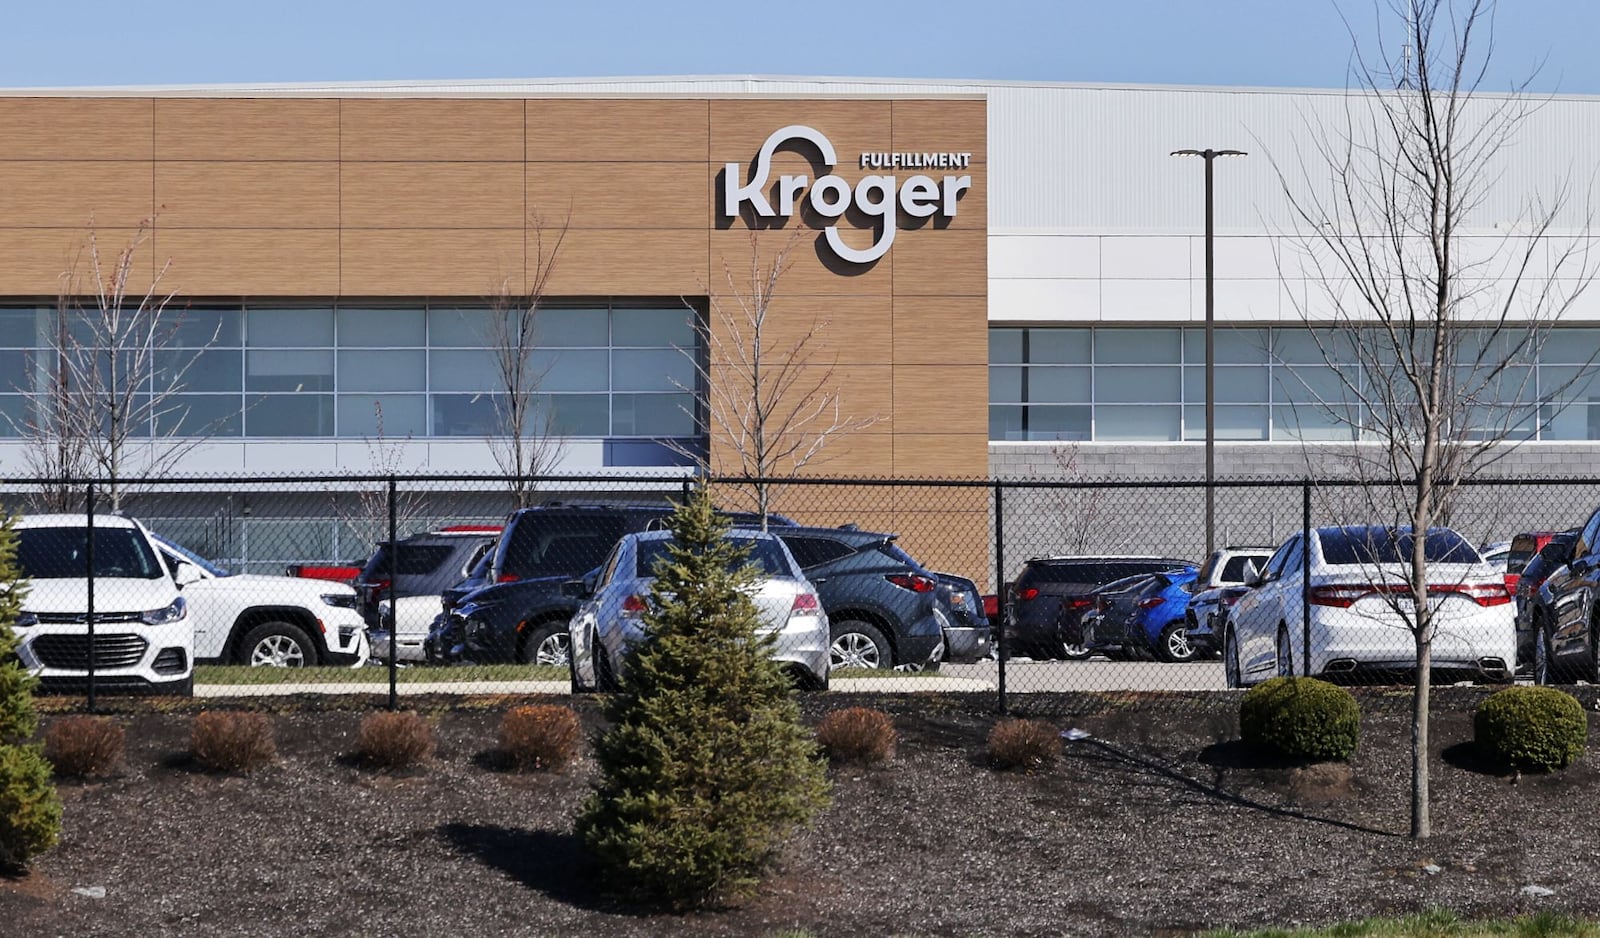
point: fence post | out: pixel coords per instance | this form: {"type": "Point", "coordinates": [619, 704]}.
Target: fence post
{"type": "Point", "coordinates": [394, 644]}
{"type": "Point", "coordinates": [1305, 580]}
{"type": "Point", "coordinates": [88, 560]}
{"type": "Point", "coordinates": [1000, 596]}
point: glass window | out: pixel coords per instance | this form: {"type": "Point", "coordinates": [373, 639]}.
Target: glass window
{"type": "Point", "coordinates": [1061, 385]}
{"type": "Point", "coordinates": [459, 328]}
{"type": "Point", "coordinates": [275, 415]}
{"type": "Point", "coordinates": [299, 370]}
{"type": "Point", "coordinates": [1005, 384]}
{"type": "Point", "coordinates": [20, 328]}
{"type": "Point", "coordinates": [1234, 384]}
{"type": "Point", "coordinates": [1311, 384]}
{"type": "Point", "coordinates": [1005, 346]}
{"type": "Point", "coordinates": [212, 369]}
{"type": "Point", "coordinates": [1122, 422]}
{"type": "Point", "coordinates": [382, 370]}
{"type": "Point", "coordinates": [652, 415]}
{"type": "Point", "coordinates": [1571, 347]}
{"type": "Point", "coordinates": [381, 328]}
{"type": "Point", "coordinates": [464, 415]}
{"type": "Point", "coordinates": [587, 415]}
{"type": "Point", "coordinates": [651, 370]}
{"type": "Point", "coordinates": [1059, 423]}
{"type": "Point", "coordinates": [289, 328]}
{"type": "Point", "coordinates": [199, 327]}
{"type": "Point", "coordinates": [1137, 385]}
{"type": "Point", "coordinates": [464, 370]}
{"type": "Point", "coordinates": [1005, 422]}
{"type": "Point", "coordinates": [1568, 383]}
{"type": "Point", "coordinates": [571, 328]}
{"type": "Point", "coordinates": [403, 415]}
{"type": "Point", "coordinates": [200, 415]}
{"type": "Point", "coordinates": [1136, 347]}
{"type": "Point", "coordinates": [557, 370]}
{"type": "Point", "coordinates": [653, 327]}
{"type": "Point", "coordinates": [13, 415]}
{"type": "Point", "coordinates": [1059, 346]}
{"type": "Point", "coordinates": [1230, 346]}
{"type": "Point", "coordinates": [15, 369]}
{"type": "Point", "coordinates": [1309, 422]}
{"type": "Point", "coordinates": [1234, 422]}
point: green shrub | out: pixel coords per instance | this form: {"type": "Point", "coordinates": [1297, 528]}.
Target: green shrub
{"type": "Point", "coordinates": [1301, 718]}
{"type": "Point", "coordinates": [706, 768]}
{"type": "Point", "coordinates": [1531, 727]}
{"type": "Point", "coordinates": [30, 810]}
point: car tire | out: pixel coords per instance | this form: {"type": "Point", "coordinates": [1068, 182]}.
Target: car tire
{"type": "Point", "coordinates": [1591, 668]}
{"type": "Point", "coordinates": [1174, 645]}
{"type": "Point", "coordinates": [548, 644]}
{"type": "Point", "coordinates": [1232, 674]}
{"type": "Point", "coordinates": [1285, 653]}
{"type": "Point", "coordinates": [605, 679]}
{"type": "Point", "coordinates": [1544, 662]}
{"type": "Point", "coordinates": [278, 645]}
{"type": "Point", "coordinates": [856, 644]}
{"type": "Point", "coordinates": [1066, 652]}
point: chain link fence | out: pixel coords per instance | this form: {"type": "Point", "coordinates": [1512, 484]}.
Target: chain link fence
{"type": "Point", "coordinates": [373, 588]}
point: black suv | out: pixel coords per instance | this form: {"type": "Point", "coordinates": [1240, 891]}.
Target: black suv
{"type": "Point", "coordinates": [1565, 640]}
{"type": "Point", "coordinates": [521, 613]}
{"type": "Point", "coordinates": [423, 565]}
{"type": "Point", "coordinates": [1046, 602]}
{"type": "Point", "coordinates": [884, 609]}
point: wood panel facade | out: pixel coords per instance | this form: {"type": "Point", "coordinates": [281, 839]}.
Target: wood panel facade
{"type": "Point", "coordinates": [301, 198]}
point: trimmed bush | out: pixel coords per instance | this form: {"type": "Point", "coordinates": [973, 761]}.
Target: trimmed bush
{"type": "Point", "coordinates": [1531, 727]}
{"type": "Point", "coordinates": [30, 811]}
{"type": "Point", "coordinates": [543, 737]}
{"type": "Point", "coordinates": [394, 740]}
{"type": "Point", "coordinates": [225, 741]}
{"type": "Point", "coordinates": [857, 735]}
{"type": "Point", "coordinates": [1301, 719]}
{"type": "Point", "coordinates": [1023, 744]}
{"type": "Point", "coordinates": [83, 746]}
{"type": "Point", "coordinates": [706, 769]}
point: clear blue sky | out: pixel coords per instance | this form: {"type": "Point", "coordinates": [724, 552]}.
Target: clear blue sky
{"type": "Point", "coordinates": [1297, 43]}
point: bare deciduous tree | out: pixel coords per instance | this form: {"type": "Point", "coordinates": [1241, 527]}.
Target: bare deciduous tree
{"type": "Point", "coordinates": [366, 515]}
{"type": "Point", "coordinates": [1428, 367]}
{"type": "Point", "coordinates": [104, 399]}
{"type": "Point", "coordinates": [772, 403]}
{"type": "Point", "coordinates": [527, 444]}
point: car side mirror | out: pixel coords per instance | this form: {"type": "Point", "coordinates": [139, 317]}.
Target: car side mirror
{"type": "Point", "coordinates": [577, 589]}
{"type": "Point", "coordinates": [185, 574]}
{"type": "Point", "coordinates": [1252, 576]}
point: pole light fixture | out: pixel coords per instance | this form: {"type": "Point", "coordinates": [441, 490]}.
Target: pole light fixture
{"type": "Point", "coordinates": [1211, 398]}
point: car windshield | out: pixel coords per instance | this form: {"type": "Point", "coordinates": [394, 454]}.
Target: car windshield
{"type": "Point", "coordinates": [192, 557]}
{"type": "Point", "coordinates": [561, 544]}
{"type": "Point", "coordinates": [1375, 545]}
{"type": "Point", "coordinates": [765, 555]}
{"type": "Point", "coordinates": [410, 560]}
{"type": "Point", "coordinates": [62, 553]}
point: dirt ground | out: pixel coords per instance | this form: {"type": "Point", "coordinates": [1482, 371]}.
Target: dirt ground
{"type": "Point", "coordinates": [1159, 824]}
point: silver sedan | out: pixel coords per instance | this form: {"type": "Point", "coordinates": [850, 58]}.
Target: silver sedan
{"type": "Point", "coordinates": [611, 619]}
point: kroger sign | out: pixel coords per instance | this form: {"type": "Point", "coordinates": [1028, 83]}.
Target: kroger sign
{"type": "Point", "coordinates": [831, 196]}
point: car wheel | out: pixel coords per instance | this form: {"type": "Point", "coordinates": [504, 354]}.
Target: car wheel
{"type": "Point", "coordinates": [549, 644]}
{"type": "Point", "coordinates": [1544, 671]}
{"type": "Point", "coordinates": [1073, 653]}
{"type": "Point", "coordinates": [277, 645]}
{"type": "Point", "coordinates": [1285, 654]}
{"type": "Point", "coordinates": [1174, 644]}
{"type": "Point", "coordinates": [858, 645]}
{"type": "Point", "coordinates": [1231, 673]}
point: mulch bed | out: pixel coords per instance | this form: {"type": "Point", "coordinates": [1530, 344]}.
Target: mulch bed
{"type": "Point", "coordinates": [1160, 824]}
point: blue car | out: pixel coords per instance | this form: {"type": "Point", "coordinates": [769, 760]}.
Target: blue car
{"type": "Point", "coordinates": [1149, 616]}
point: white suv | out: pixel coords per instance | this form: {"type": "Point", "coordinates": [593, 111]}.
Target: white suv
{"type": "Point", "coordinates": [142, 634]}
{"type": "Point", "coordinates": [278, 621]}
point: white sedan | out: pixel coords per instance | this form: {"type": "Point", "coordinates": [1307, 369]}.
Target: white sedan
{"type": "Point", "coordinates": [1361, 611]}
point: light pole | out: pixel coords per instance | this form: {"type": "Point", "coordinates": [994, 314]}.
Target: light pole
{"type": "Point", "coordinates": [1211, 364]}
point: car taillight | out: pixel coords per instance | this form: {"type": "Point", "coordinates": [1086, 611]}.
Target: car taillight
{"type": "Point", "coordinates": [633, 607]}
{"type": "Point", "coordinates": [1484, 594]}
{"type": "Point", "coordinates": [376, 587]}
{"type": "Point", "coordinates": [991, 605]}
{"type": "Point", "coordinates": [805, 604]}
{"type": "Point", "coordinates": [1345, 595]}
{"type": "Point", "coordinates": [507, 578]}
{"type": "Point", "coordinates": [1512, 580]}
{"type": "Point", "coordinates": [1342, 596]}
{"type": "Point", "coordinates": [915, 582]}
{"type": "Point", "coordinates": [1027, 593]}
{"type": "Point", "coordinates": [1150, 602]}
{"type": "Point", "coordinates": [1228, 599]}
{"type": "Point", "coordinates": [1078, 602]}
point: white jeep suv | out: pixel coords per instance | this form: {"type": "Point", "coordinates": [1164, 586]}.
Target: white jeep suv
{"type": "Point", "coordinates": [141, 635]}
{"type": "Point", "coordinates": [278, 621]}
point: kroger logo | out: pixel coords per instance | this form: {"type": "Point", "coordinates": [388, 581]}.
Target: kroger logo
{"type": "Point", "coordinates": [831, 196]}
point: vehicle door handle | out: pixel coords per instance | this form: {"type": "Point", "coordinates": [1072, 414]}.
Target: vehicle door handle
{"type": "Point", "coordinates": [819, 579]}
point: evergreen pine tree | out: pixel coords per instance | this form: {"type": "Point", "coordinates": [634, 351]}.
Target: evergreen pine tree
{"type": "Point", "coordinates": [706, 768]}
{"type": "Point", "coordinates": [30, 811]}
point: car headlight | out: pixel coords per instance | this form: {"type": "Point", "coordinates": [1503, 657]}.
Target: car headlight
{"type": "Point", "coordinates": [172, 613]}
{"type": "Point", "coordinates": [25, 620]}
{"type": "Point", "coordinates": [341, 600]}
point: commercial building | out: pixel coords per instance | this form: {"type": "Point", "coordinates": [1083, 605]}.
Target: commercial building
{"type": "Point", "coordinates": [995, 271]}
